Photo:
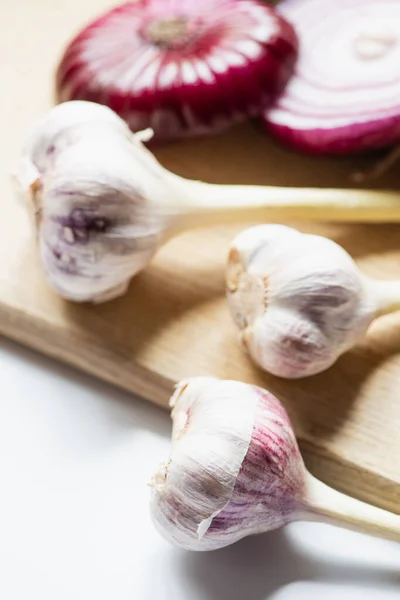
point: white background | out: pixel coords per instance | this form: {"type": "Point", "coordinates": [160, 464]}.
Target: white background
{"type": "Point", "coordinates": [75, 458]}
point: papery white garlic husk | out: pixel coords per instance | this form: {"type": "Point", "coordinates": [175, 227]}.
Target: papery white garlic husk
{"type": "Point", "coordinates": [102, 203]}
{"type": "Point", "coordinates": [299, 300]}
{"type": "Point", "coordinates": [234, 468]}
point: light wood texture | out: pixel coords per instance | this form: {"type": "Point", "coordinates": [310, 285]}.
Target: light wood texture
{"type": "Point", "coordinates": [173, 323]}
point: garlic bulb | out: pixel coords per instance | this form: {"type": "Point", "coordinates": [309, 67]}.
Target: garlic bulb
{"type": "Point", "coordinates": [232, 447]}
{"type": "Point", "coordinates": [235, 470]}
{"type": "Point", "coordinates": [182, 67]}
{"type": "Point", "coordinates": [103, 204]}
{"type": "Point", "coordinates": [299, 300]}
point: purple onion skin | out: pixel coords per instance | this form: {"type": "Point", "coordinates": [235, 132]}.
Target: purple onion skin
{"type": "Point", "coordinates": [183, 108]}
{"type": "Point", "coordinates": [351, 139]}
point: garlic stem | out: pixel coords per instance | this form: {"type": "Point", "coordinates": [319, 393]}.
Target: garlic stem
{"type": "Point", "coordinates": [387, 294]}
{"type": "Point", "coordinates": [214, 204]}
{"type": "Point", "coordinates": [330, 506]}
{"type": "Point", "coordinates": [104, 204]}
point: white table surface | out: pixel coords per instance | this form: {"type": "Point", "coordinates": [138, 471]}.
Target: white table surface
{"type": "Point", "coordinates": [75, 457]}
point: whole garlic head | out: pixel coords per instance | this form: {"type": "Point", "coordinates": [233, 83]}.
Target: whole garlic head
{"type": "Point", "coordinates": [234, 469]}
{"type": "Point", "coordinates": [299, 300]}
{"type": "Point", "coordinates": [102, 202]}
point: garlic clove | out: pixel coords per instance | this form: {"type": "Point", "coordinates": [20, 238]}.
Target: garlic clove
{"type": "Point", "coordinates": [182, 67]}
{"type": "Point", "coordinates": [234, 466]}
{"type": "Point", "coordinates": [235, 469]}
{"type": "Point", "coordinates": [299, 300]}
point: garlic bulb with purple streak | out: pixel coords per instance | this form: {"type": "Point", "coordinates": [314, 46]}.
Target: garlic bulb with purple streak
{"type": "Point", "coordinates": [234, 467]}
{"type": "Point", "coordinates": [104, 204]}
{"type": "Point", "coordinates": [95, 224]}
{"type": "Point", "coordinates": [299, 300]}
{"type": "Point", "coordinates": [235, 470]}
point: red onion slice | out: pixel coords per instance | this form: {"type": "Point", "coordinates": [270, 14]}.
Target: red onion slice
{"type": "Point", "coordinates": [345, 93]}
{"type": "Point", "coordinates": [181, 67]}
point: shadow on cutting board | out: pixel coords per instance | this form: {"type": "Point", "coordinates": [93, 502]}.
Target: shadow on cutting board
{"type": "Point", "coordinates": [246, 155]}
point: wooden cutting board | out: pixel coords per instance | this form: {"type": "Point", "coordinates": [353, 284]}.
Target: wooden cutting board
{"type": "Point", "coordinates": [173, 323]}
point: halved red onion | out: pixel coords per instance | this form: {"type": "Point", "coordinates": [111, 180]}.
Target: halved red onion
{"type": "Point", "coordinates": [181, 67]}
{"type": "Point", "coordinates": [345, 93]}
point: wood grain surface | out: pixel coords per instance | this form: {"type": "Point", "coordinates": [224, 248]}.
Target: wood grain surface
{"type": "Point", "coordinates": [173, 322]}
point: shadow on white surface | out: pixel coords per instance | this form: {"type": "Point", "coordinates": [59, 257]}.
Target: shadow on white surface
{"type": "Point", "coordinates": [75, 457]}
{"type": "Point", "coordinates": [320, 591]}
{"type": "Point", "coordinates": [255, 568]}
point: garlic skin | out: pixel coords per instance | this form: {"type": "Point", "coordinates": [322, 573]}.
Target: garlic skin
{"type": "Point", "coordinates": [234, 469]}
{"type": "Point", "coordinates": [101, 205]}
{"type": "Point", "coordinates": [299, 300]}
{"type": "Point", "coordinates": [62, 126]}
